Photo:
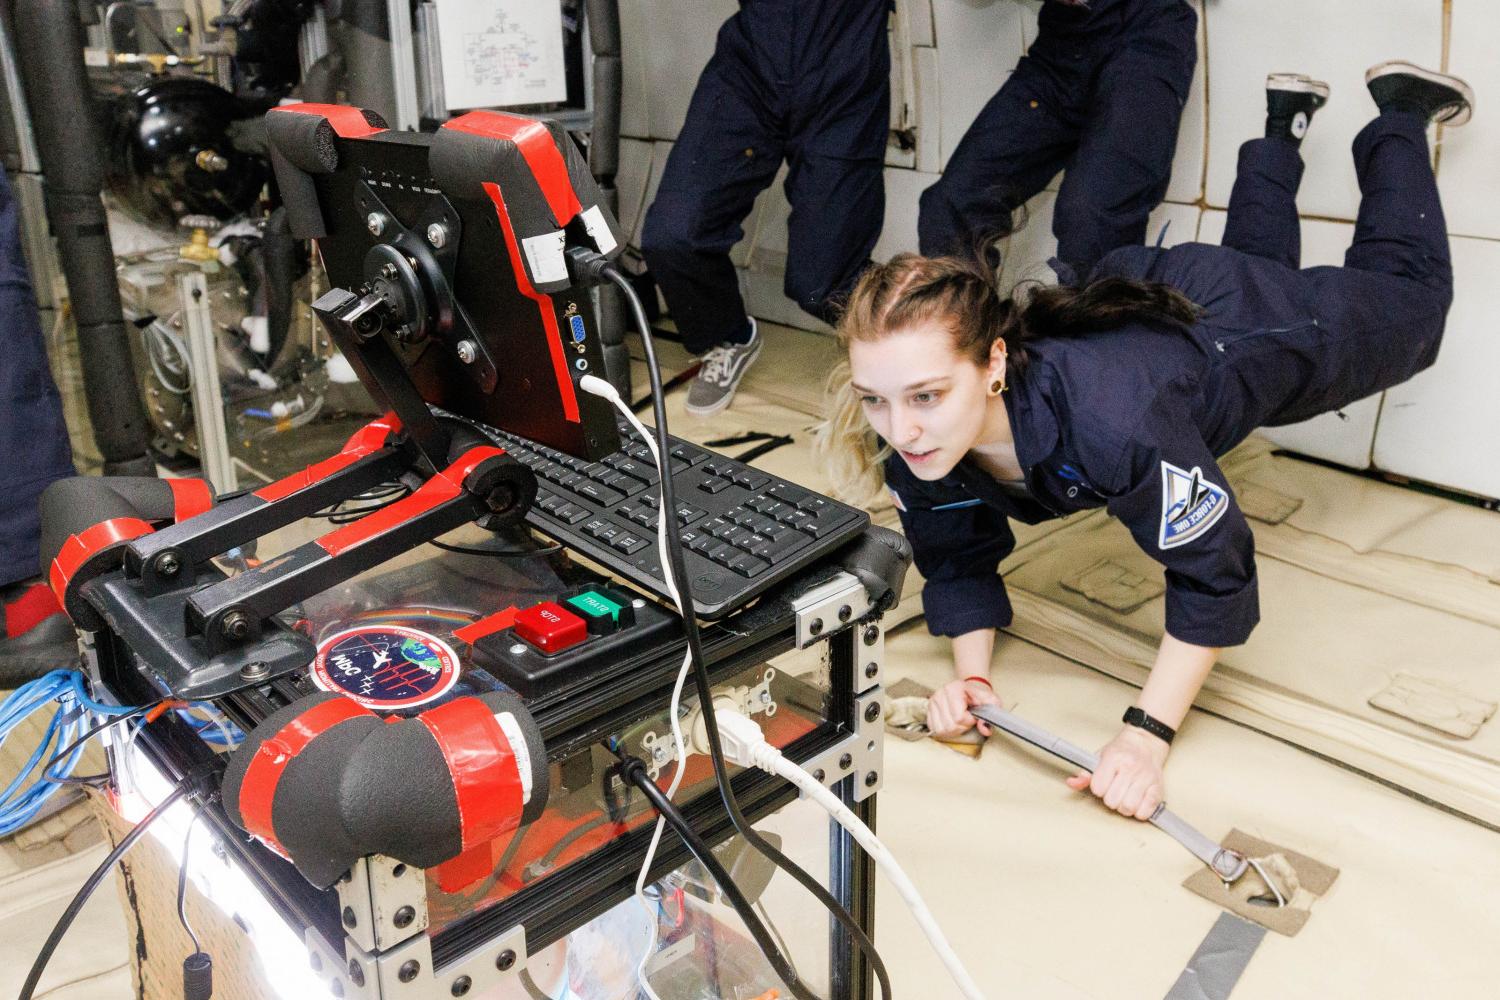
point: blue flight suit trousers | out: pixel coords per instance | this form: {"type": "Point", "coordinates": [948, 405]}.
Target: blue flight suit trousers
{"type": "Point", "coordinates": [1100, 94]}
{"type": "Point", "coordinates": [805, 81]}
{"type": "Point", "coordinates": [34, 447]}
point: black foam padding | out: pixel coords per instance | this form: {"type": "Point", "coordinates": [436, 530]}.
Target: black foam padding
{"type": "Point", "coordinates": [301, 145]}
{"type": "Point", "coordinates": [366, 786]}
{"type": "Point", "coordinates": [879, 559]}
{"type": "Point", "coordinates": [239, 761]}
{"type": "Point", "coordinates": [77, 503]}
{"type": "Point", "coordinates": [399, 795]}
{"type": "Point", "coordinates": [306, 140]}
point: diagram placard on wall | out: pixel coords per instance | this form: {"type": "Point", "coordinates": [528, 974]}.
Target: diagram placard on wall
{"type": "Point", "coordinates": [500, 53]}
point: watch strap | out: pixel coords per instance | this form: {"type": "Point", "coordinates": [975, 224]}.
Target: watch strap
{"type": "Point", "coordinates": [1135, 716]}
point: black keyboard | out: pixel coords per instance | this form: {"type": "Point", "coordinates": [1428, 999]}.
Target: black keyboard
{"type": "Point", "coordinates": [742, 529]}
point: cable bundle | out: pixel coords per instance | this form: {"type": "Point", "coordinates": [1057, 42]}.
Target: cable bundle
{"type": "Point", "coordinates": [39, 778]}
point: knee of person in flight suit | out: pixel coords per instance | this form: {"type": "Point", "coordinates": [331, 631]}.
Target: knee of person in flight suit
{"type": "Point", "coordinates": [672, 238]}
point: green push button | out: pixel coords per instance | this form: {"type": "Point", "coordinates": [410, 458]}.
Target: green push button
{"type": "Point", "coordinates": [602, 614]}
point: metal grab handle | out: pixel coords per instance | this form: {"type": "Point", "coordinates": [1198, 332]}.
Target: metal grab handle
{"type": "Point", "coordinates": [1227, 864]}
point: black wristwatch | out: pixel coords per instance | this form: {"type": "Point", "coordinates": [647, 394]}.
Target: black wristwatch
{"type": "Point", "coordinates": [1137, 717]}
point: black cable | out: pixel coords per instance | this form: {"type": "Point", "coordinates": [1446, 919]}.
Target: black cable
{"type": "Point", "coordinates": [540, 550]}
{"type": "Point", "coordinates": [87, 889]}
{"type": "Point", "coordinates": [182, 886]}
{"type": "Point", "coordinates": [702, 681]}
{"type": "Point", "coordinates": [635, 772]}
{"type": "Point", "coordinates": [96, 730]}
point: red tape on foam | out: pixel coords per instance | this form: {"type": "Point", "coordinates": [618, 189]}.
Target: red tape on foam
{"type": "Point", "coordinates": [488, 625]}
{"type": "Point", "coordinates": [258, 790]}
{"type": "Point", "coordinates": [537, 147]}
{"type": "Point", "coordinates": [348, 122]}
{"type": "Point", "coordinates": [439, 489]}
{"type": "Point", "coordinates": [544, 307]}
{"type": "Point", "coordinates": [190, 497]}
{"type": "Point", "coordinates": [486, 777]}
{"type": "Point", "coordinates": [82, 547]}
{"type": "Point", "coordinates": [36, 604]}
{"type": "Point", "coordinates": [368, 439]}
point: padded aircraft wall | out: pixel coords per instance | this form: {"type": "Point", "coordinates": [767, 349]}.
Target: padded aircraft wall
{"type": "Point", "coordinates": [949, 56]}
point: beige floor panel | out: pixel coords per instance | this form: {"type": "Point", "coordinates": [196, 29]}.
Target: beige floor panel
{"type": "Point", "coordinates": [91, 961]}
{"type": "Point", "coordinates": [1343, 614]}
{"type": "Point", "coordinates": [1046, 894]}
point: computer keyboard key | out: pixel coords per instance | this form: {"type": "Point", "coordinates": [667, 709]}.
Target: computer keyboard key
{"type": "Point", "coordinates": [748, 565]}
{"type": "Point", "coordinates": [628, 543]}
{"type": "Point", "coordinates": [602, 495]}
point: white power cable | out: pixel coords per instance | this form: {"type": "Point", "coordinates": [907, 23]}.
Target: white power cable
{"type": "Point", "coordinates": [596, 386]}
{"type": "Point", "coordinates": [744, 744]}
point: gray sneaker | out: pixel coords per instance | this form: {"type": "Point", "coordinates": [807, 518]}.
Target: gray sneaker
{"type": "Point", "coordinates": [723, 367]}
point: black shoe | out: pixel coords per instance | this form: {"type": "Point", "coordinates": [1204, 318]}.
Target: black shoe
{"type": "Point", "coordinates": [1291, 100]}
{"type": "Point", "coordinates": [1437, 97]}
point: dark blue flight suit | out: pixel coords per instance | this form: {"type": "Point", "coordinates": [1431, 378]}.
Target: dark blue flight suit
{"type": "Point", "coordinates": [34, 447]}
{"type": "Point", "coordinates": [1099, 93]}
{"type": "Point", "coordinates": [1133, 419]}
{"type": "Point", "coordinates": [807, 81]}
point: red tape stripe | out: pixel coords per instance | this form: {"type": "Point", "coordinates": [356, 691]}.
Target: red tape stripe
{"type": "Point", "coordinates": [537, 147]}
{"type": "Point", "coordinates": [258, 790]}
{"type": "Point", "coordinates": [348, 122]}
{"type": "Point", "coordinates": [190, 497]}
{"type": "Point", "coordinates": [368, 439]}
{"type": "Point", "coordinates": [486, 778]}
{"type": "Point", "coordinates": [488, 625]}
{"type": "Point", "coordinates": [82, 547]}
{"type": "Point", "coordinates": [544, 306]}
{"type": "Point", "coordinates": [438, 490]}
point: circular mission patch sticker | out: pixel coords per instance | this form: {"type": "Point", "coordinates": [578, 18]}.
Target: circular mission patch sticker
{"type": "Point", "coordinates": [386, 667]}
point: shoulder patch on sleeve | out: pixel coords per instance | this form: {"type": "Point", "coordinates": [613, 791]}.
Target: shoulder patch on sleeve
{"type": "Point", "coordinates": [1190, 505]}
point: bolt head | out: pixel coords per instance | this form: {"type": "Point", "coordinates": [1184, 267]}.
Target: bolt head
{"type": "Point", "coordinates": [375, 223]}
{"type": "Point", "coordinates": [255, 671]}
{"type": "Point", "coordinates": [404, 917]}
{"type": "Point", "coordinates": [506, 960]}
{"type": "Point", "coordinates": [871, 633]}
{"type": "Point", "coordinates": [437, 235]}
{"type": "Point", "coordinates": [815, 627]}
{"type": "Point", "coordinates": [409, 970]}
{"type": "Point", "coordinates": [349, 918]}
{"type": "Point", "coordinates": [871, 669]}
{"type": "Point", "coordinates": [870, 778]}
{"type": "Point", "coordinates": [468, 351]}
{"type": "Point", "coordinates": [167, 564]}
{"type": "Point", "coordinates": [845, 612]}
{"type": "Point", "coordinates": [461, 986]}
{"type": "Point", "coordinates": [846, 762]}
{"type": "Point", "coordinates": [356, 973]}
{"type": "Point", "coordinates": [872, 711]}
{"type": "Point", "coordinates": [820, 775]}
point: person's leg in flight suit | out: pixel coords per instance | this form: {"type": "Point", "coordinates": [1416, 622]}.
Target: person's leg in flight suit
{"type": "Point", "coordinates": [728, 151]}
{"type": "Point", "coordinates": [808, 79]}
{"type": "Point", "coordinates": [1396, 285]}
{"type": "Point", "coordinates": [1100, 93]}
{"type": "Point", "coordinates": [34, 448]}
{"type": "Point", "coordinates": [1262, 218]}
{"type": "Point", "coordinates": [1123, 162]}
{"type": "Point", "coordinates": [836, 158]}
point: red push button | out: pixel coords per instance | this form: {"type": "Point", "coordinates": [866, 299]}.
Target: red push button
{"type": "Point", "coordinates": [550, 628]}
